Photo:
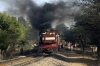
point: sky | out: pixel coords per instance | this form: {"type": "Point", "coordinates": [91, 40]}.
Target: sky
{"type": "Point", "coordinates": [39, 2]}
{"type": "Point", "coordinates": [2, 6]}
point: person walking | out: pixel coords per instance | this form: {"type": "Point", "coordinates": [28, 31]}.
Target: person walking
{"type": "Point", "coordinates": [71, 47]}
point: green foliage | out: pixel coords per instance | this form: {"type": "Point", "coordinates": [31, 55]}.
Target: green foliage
{"type": "Point", "coordinates": [11, 31]}
{"type": "Point", "coordinates": [30, 34]}
{"type": "Point", "coordinates": [23, 21]}
{"type": "Point", "coordinates": [89, 22]}
{"type": "Point", "coordinates": [64, 32]}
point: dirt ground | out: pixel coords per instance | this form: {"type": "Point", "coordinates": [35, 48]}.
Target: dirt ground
{"type": "Point", "coordinates": [66, 58]}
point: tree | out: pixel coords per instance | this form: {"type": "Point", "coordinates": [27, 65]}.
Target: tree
{"type": "Point", "coordinates": [11, 31]}
{"type": "Point", "coordinates": [64, 32]}
{"type": "Point", "coordinates": [90, 21]}
{"type": "Point", "coordinates": [31, 34]}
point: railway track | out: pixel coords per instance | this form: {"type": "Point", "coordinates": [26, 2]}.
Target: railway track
{"type": "Point", "coordinates": [26, 60]}
{"type": "Point", "coordinates": [23, 61]}
{"type": "Point", "coordinates": [61, 58]}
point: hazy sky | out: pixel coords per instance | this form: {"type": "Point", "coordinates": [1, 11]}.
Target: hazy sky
{"type": "Point", "coordinates": [39, 2]}
{"type": "Point", "coordinates": [2, 6]}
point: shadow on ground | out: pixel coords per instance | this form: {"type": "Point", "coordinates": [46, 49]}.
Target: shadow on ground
{"type": "Point", "coordinates": [74, 58]}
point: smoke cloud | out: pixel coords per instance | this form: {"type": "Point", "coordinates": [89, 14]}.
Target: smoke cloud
{"type": "Point", "coordinates": [42, 17]}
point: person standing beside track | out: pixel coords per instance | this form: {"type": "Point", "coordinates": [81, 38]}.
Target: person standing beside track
{"type": "Point", "coordinates": [21, 51]}
{"type": "Point", "coordinates": [71, 47]}
{"type": "Point", "coordinates": [61, 45]}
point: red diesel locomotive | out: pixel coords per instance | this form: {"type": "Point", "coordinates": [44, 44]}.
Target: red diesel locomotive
{"type": "Point", "coordinates": [48, 40]}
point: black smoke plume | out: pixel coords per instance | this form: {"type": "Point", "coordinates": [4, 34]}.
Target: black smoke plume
{"type": "Point", "coordinates": [41, 17]}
